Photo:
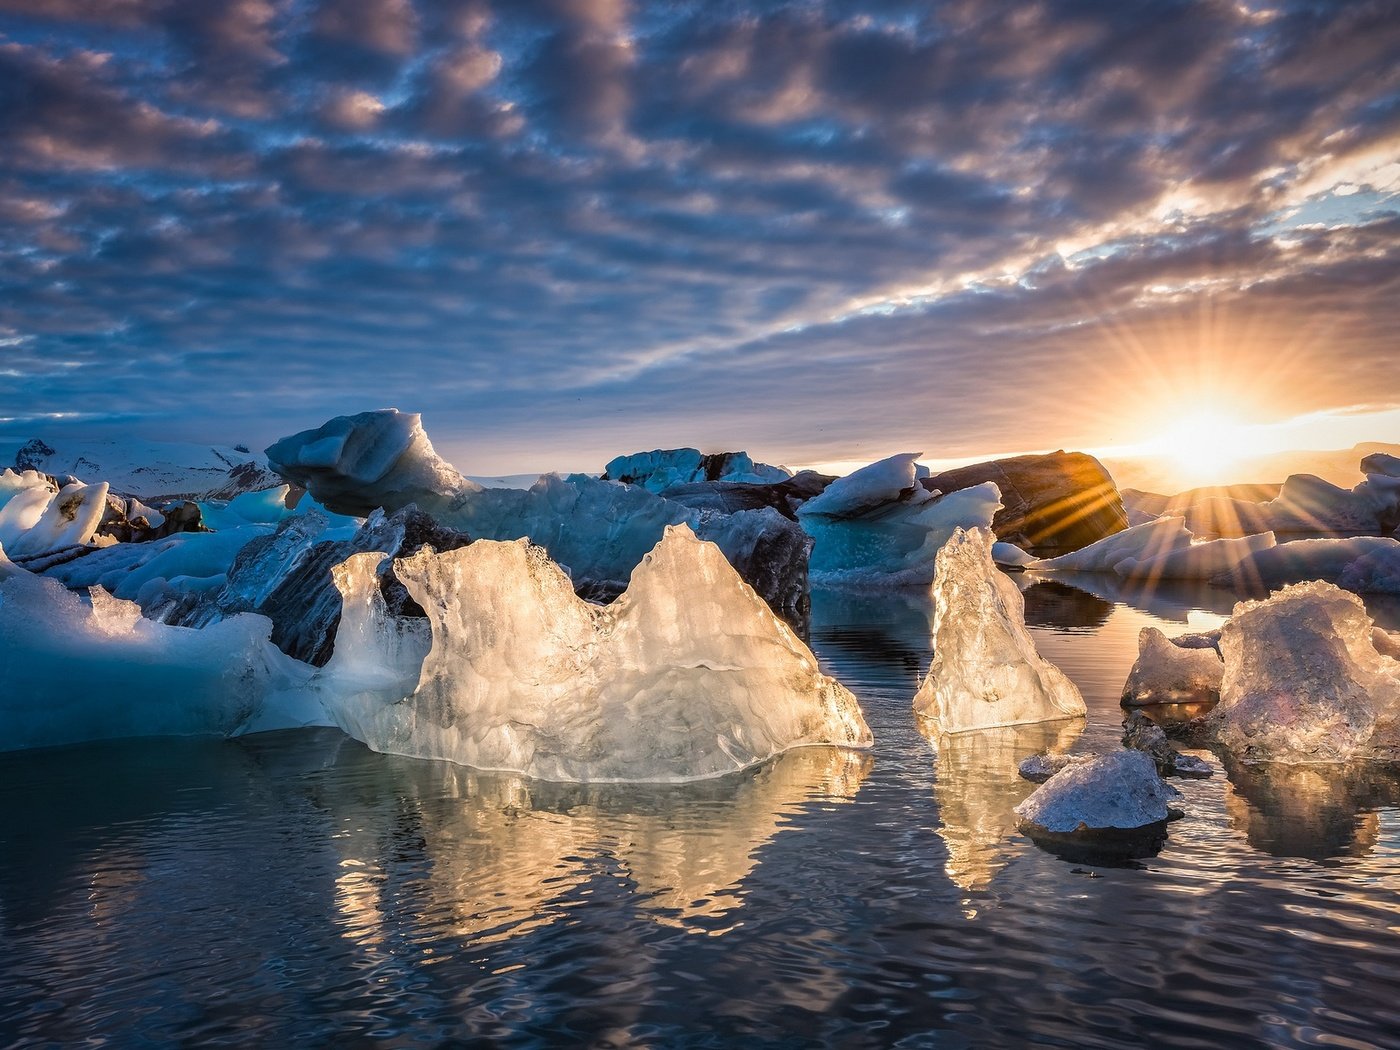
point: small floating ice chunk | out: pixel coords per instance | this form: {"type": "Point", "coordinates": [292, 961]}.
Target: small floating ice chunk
{"type": "Point", "coordinates": [688, 675]}
{"type": "Point", "coordinates": [1167, 673]}
{"type": "Point", "coordinates": [1120, 791]}
{"type": "Point", "coordinates": [986, 671]}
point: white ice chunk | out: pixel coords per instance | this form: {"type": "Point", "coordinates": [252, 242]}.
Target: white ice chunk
{"type": "Point", "coordinates": [1120, 791]}
{"type": "Point", "coordinates": [1304, 681]}
{"type": "Point", "coordinates": [879, 525]}
{"type": "Point", "coordinates": [1010, 556]}
{"type": "Point", "coordinates": [22, 510]}
{"type": "Point", "coordinates": [69, 520]}
{"type": "Point", "coordinates": [73, 672]}
{"type": "Point", "coordinates": [1137, 544]}
{"type": "Point", "coordinates": [688, 675]}
{"type": "Point", "coordinates": [986, 671]}
{"type": "Point", "coordinates": [889, 480]}
{"type": "Point", "coordinates": [1166, 673]}
{"type": "Point", "coordinates": [1199, 561]}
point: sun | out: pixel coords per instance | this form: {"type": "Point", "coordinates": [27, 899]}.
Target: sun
{"type": "Point", "coordinates": [1204, 448]}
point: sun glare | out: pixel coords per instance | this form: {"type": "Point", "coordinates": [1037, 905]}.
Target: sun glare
{"type": "Point", "coordinates": [1205, 447]}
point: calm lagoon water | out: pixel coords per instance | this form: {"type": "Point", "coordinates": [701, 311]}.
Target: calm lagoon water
{"type": "Point", "coordinates": [296, 889]}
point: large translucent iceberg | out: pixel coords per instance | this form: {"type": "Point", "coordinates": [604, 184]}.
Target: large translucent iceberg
{"type": "Point", "coordinates": [879, 525]}
{"type": "Point", "coordinates": [1304, 681]}
{"type": "Point", "coordinates": [687, 675]}
{"type": "Point", "coordinates": [986, 671]}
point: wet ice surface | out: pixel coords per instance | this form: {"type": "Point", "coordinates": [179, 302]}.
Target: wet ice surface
{"type": "Point", "coordinates": [296, 888]}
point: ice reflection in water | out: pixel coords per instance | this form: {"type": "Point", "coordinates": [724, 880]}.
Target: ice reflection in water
{"type": "Point", "coordinates": [977, 785]}
{"type": "Point", "coordinates": [500, 853]}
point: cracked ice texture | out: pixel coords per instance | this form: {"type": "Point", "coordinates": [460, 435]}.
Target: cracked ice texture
{"type": "Point", "coordinates": [688, 675]}
{"type": "Point", "coordinates": [986, 671]}
{"type": "Point", "coordinates": [1304, 681]}
{"type": "Point", "coordinates": [879, 525]}
{"type": "Point", "coordinates": [1168, 673]}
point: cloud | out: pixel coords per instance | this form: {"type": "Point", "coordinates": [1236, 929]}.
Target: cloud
{"type": "Point", "coordinates": [820, 229]}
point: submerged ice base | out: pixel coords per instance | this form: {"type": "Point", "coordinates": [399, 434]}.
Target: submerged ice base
{"type": "Point", "coordinates": [688, 675]}
{"type": "Point", "coordinates": [986, 671]}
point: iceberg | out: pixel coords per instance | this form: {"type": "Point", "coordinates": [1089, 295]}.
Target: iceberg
{"type": "Point", "coordinates": [1304, 681]}
{"type": "Point", "coordinates": [70, 518]}
{"type": "Point", "coordinates": [1117, 792]}
{"type": "Point", "coordinates": [688, 675]}
{"type": "Point", "coordinates": [986, 671]}
{"type": "Point", "coordinates": [77, 671]}
{"type": "Point", "coordinates": [1168, 673]}
{"type": "Point", "coordinates": [879, 525]}
{"type": "Point", "coordinates": [1137, 544]}
{"type": "Point", "coordinates": [1316, 559]}
{"type": "Point", "coordinates": [662, 469]}
{"type": "Point", "coordinates": [355, 464]}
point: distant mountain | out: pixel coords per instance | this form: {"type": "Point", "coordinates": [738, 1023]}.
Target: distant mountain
{"type": "Point", "coordinates": [1340, 466]}
{"type": "Point", "coordinates": [150, 470]}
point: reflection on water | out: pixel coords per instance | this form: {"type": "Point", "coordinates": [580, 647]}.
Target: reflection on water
{"type": "Point", "coordinates": [296, 889]}
{"type": "Point", "coordinates": [977, 786]}
{"type": "Point", "coordinates": [1317, 812]}
{"type": "Point", "coordinates": [1060, 607]}
{"type": "Point", "coordinates": [499, 852]}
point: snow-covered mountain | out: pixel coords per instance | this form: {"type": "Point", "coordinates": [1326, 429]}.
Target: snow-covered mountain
{"type": "Point", "coordinates": [150, 470]}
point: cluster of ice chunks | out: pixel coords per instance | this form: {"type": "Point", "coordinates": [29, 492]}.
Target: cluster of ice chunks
{"type": "Point", "coordinates": [598, 530]}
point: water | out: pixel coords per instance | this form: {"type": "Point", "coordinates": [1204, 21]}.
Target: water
{"type": "Point", "coordinates": [297, 889]}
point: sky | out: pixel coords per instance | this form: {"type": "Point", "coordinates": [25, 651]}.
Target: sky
{"type": "Point", "coordinates": [820, 231]}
